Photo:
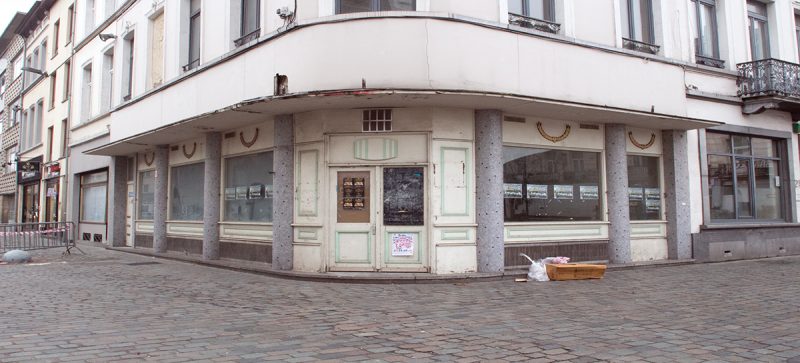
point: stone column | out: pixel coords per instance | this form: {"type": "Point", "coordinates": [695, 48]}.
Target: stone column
{"type": "Point", "coordinates": [619, 215]}
{"type": "Point", "coordinates": [489, 190]}
{"type": "Point", "coordinates": [160, 195]}
{"type": "Point", "coordinates": [117, 200]}
{"type": "Point", "coordinates": [211, 197]}
{"type": "Point", "coordinates": [676, 194]}
{"type": "Point", "coordinates": [283, 194]}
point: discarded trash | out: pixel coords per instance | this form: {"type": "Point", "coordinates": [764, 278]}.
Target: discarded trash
{"type": "Point", "coordinates": [16, 256]}
{"type": "Point", "coordinates": [520, 280]}
{"type": "Point", "coordinates": [575, 271]}
{"type": "Point", "coordinates": [537, 271]}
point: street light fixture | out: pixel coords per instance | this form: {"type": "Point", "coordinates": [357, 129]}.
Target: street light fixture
{"type": "Point", "coordinates": [34, 70]}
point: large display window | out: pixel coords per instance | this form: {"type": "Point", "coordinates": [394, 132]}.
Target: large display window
{"type": "Point", "coordinates": [542, 185]}
{"type": "Point", "coordinates": [94, 193]}
{"type": "Point", "coordinates": [147, 188]}
{"type": "Point", "coordinates": [644, 187]}
{"type": "Point", "coordinates": [248, 188]}
{"type": "Point", "coordinates": [744, 178]}
{"type": "Point", "coordinates": [186, 192]}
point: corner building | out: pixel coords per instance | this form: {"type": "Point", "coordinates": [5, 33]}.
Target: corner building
{"type": "Point", "coordinates": [446, 137]}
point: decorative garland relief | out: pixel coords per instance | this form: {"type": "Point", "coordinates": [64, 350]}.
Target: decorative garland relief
{"type": "Point", "coordinates": [250, 143]}
{"type": "Point", "coordinates": [152, 158]}
{"type": "Point", "coordinates": [640, 145]}
{"type": "Point", "coordinates": [187, 154]}
{"type": "Point", "coordinates": [551, 138]}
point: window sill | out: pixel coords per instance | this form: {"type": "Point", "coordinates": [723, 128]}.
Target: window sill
{"type": "Point", "coordinates": [638, 46]}
{"type": "Point", "coordinates": [734, 225]}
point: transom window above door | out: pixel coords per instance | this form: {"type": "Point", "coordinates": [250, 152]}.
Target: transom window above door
{"type": "Point", "coordinates": [358, 6]}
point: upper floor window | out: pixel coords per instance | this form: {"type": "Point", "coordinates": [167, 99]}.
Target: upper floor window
{"type": "Point", "coordinates": [86, 93]}
{"type": "Point", "coordinates": [90, 15]}
{"type": "Point", "coordinates": [706, 43]}
{"type": "Point", "coordinates": [2, 83]}
{"type": "Point", "coordinates": [111, 5]}
{"type": "Point", "coordinates": [637, 25]}
{"type": "Point", "coordinates": [797, 34]}
{"type": "Point", "coordinates": [758, 28]}
{"type": "Point", "coordinates": [56, 30]}
{"type": "Point", "coordinates": [537, 9]}
{"type": "Point", "coordinates": [127, 75]}
{"type": "Point", "coordinates": [357, 6]}
{"type": "Point", "coordinates": [17, 70]}
{"type": "Point", "coordinates": [250, 21]}
{"type": "Point", "coordinates": [106, 93]}
{"type": "Point", "coordinates": [194, 35]}
{"type": "Point", "coordinates": [70, 21]}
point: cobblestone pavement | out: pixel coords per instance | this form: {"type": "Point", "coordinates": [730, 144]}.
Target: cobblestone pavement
{"type": "Point", "coordinates": [99, 307]}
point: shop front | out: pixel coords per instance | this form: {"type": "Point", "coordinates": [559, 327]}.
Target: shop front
{"type": "Point", "coordinates": [29, 178]}
{"type": "Point", "coordinates": [52, 187]}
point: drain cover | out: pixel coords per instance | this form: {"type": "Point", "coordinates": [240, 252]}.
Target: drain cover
{"type": "Point", "coordinates": [144, 263]}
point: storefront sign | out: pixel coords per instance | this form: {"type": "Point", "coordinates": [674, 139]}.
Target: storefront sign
{"type": "Point", "coordinates": [29, 171]}
{"type": "Point", "coordinates": [403, 244]}
{"type": "Point", "coordinates": [230, 193]}
{"type": "Point", "coordinates": [589, 192]}
{"type": "Point", "coordinates": [256, 192]}
{"type": "Point", "coordinates": [652, 199]}
{"type": "Point", "coordinates": [241, 193]}
{"type": "Point", "coordinates": [52, 170]}
{"type": "Point", "coordinates": [563, 192]}
{"type": "Point", "coordinates": [512, 191]}
{"type": "Point", "coordinates": [537, 191]}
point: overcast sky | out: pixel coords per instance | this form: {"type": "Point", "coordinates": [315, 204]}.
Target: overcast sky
{"type": "Point", "coordinates": [10, 7]}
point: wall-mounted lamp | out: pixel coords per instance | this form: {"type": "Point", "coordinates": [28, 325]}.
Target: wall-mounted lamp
{"type": "Point", "coordinates": [34, 70]}
{"type": "Point", "coordinates": [105, 36]}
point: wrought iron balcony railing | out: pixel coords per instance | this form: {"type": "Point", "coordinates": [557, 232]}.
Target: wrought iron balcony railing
{"type": "Point", "coordinates": [533, 23]}
{"type": "Point", "coordinates": [640, 46]}
{"type": "Point", "coordinates": [769, 77]}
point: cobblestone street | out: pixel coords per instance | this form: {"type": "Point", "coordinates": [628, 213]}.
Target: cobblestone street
{"type": "Point", "coordinates": [103, 307]}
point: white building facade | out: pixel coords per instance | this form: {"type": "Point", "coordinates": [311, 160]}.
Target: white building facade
{"type": "Point", "coordinates": [438, 136]}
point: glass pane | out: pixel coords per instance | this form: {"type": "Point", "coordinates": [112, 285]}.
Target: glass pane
{"type": "Point", "coordinates": [515, 7]}
{"type": "Point", "coordinates": [194, 38]}
{"type": "Point", "coordinates": [720, 187]}
{"type": "Point", "coordinates": [94, 178]}
{"type": "Point", "coordinates": [186, 192]}
{"type": "Point", "coordinates": [644, 193]}
{"type": "Point", "coordinates": [403, 197]}
{"type": "Point", "coordinates": [718, 143]}
{"type": "Point", "coordinates": [250, 17]}
{"type": "Point", "coordinates": [93, 204]}
{"type": "Point", "coordinates": [389, 5]}
{"type": "Point", "coordinates": [194, 6]}
{"type": "Point", "coordinates": [625, 16]}
{"type": "Point", "coordinates": [249, 188]}
{"type": "Point", "coordinates": [741, 145]}
{"type": "Point", "coordinates": [353, 199]}
{"type": "Point", "coordinates": [551, 185]}
{"type": "Point", "coordinates": [768, 191]}
{"type": "Point", "coordinates": [536, 9]}
{"type": "Point", "coordinates": [707, 30]}
{"type": "Point", "coordinates": [764, 147]}
{"type": "Point", "coordinates": [643, 26]}
{"type": "Point", "coordinates": [743, 198]}
{"type": "Point", "coordinates": [354, 6]}
{"type": "Point", "coordinates": [147, 188]}
{"type": "Point", "coordinates": [758, 39]}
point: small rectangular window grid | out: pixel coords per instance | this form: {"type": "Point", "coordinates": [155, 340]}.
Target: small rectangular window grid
{"type": "Point", "coordinates": [377, 120]}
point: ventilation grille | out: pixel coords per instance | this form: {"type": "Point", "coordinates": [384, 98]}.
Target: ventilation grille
{"type": "Point", "coordinates": [514, 119]}
{"type": "Point", "coordinates": [87, 237]}
{"type": "Point", "coordinates": [98, 237]}
{"type": "Point", "coordinates": [377, 120]}
{"type": "Point", "coordinates": [590, 127]}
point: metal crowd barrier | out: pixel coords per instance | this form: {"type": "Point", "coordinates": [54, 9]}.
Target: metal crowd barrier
{"type": "Point", "coordinates": [37, 236]}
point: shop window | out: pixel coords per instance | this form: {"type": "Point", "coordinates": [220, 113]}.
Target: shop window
{"type": "Point", "coordinates": [186, 192]}
{"type": "Point", "coordinates": [744, 178]}
{"type": "Point", "coordinates": [358, 6]}
{"type": "Point", "coordinates": [93, 197]}
{"type": "Point", "coordinates": [147, 188]}
{"type": "Point", "coordinates": [248, 188]}
{"type": "Point", "coordinates": [543, 185]}
{"type": "Point", "coordinates": [644, 191]}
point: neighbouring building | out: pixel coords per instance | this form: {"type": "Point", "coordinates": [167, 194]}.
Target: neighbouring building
{"type": "Point", "coordinates": [432, 135]}
{"type": "Point", "coordinates": [11, 46]}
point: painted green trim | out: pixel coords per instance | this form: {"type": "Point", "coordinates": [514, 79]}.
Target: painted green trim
{"type": "Point", "coordinates": [467, 179]}
{"type": "Point", "coordinates": [300, 210]}
{"type": "Point", "coordinates": [456, 235]}
{"type": "Point", "coordinates": [338, 258]}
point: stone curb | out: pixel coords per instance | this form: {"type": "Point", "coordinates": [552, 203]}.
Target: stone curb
{"type": "Point", "coordinates": [369, 278]}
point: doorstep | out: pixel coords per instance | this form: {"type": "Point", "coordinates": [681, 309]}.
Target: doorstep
{"type": "Point", "coordinates": [362, 277]}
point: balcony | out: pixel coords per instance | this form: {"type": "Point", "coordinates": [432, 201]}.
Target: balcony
{"type": "Point", "coordinates": [640, 46]}
{"type": "Point", "coordinates": [533, 23]}
{"type": "Point", "coordinates": [769, 84]}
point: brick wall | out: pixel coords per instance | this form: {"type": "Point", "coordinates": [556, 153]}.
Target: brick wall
{"type": "Point", "coordinates": [10, 135]}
